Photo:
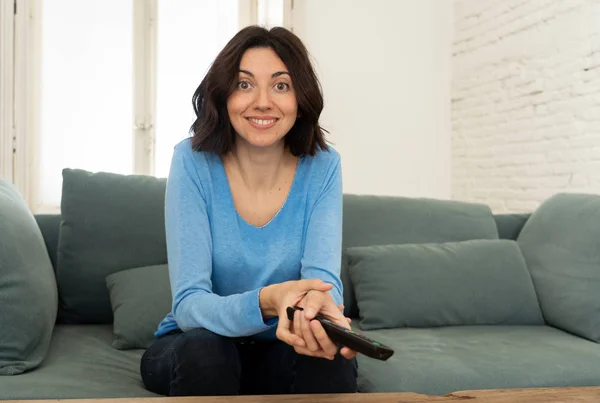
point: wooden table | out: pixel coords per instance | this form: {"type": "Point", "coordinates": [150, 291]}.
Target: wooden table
{"type": "Point", "coordinates": [545, 395]}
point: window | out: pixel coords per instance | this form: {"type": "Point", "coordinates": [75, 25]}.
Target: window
{"type": "Point", "coordinates": [108, 83]}
{"type": "Point", "coordinates": [270, 13]}
{"type": "Point", "coordinates": [86, 90]}
{"type": "Point", "coordinates": [185, 49]}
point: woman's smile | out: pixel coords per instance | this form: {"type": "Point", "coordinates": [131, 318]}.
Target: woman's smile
{"type": "Point", "coordinates": [262, 123]}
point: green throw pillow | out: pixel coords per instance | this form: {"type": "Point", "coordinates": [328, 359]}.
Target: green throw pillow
{"type": "Point", "coordinates": [110, 223]}
{"type": "Point", "coordinates": [561, 245]}
{"type": "Point", "coordinates": [140, 298]}
{"type": "Point", "coordinates": [28, 295]}
{"type": "Point", "coordinates": [479, 282]}
{"type": "Point", "coordinates": [383, 220]}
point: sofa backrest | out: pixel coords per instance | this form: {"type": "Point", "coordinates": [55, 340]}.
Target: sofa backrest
{"type": "Point", "coordinates": [510, 225]}
{"type": "Point", "coordinates": [380, 220]}
{"type": "Point", "coordinates": [50, 226]}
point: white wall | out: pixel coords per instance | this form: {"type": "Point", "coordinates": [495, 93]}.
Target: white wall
{"type": "Point", "coordinates": [526, 101]}
{"type": "Point", "coordinates": [385, 67]}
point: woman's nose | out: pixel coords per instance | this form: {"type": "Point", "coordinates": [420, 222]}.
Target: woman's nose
{"type": "Point", "coordinates": [263, 100]}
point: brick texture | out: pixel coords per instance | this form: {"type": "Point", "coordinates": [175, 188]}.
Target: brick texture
{"type": "Point", "coordinates": [525, 101]}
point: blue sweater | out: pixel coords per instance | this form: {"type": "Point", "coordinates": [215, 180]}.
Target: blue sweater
{"type": "Point", "coordinates": [218, 262]}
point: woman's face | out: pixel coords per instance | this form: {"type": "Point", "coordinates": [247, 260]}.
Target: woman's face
{"type": "Point", "coordinates": [263, 108]}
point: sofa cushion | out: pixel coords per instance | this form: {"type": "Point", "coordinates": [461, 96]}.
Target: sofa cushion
{"type": "Point", "coordinates": [110, 222]}
{"type": "Point", "coordinates": [442, 360]}
{"type": "Point", "coordinates": [140, 298]}
{"type": "Point", "coordinates": [561, 245]}
{"type": "Point", "coordinates": [479, 282]}
{"type": "Point", "coordinates": [28, 296]}
{"type": "Point", "coordinates": [81, 364]}
{"type": "Point", "coordinates": [382, 220]}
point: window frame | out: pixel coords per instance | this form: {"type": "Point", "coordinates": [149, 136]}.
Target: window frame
{"type": "Point", "coordinates": [7, 21]}
{"type": "Point", "coordinates": [144, 85]}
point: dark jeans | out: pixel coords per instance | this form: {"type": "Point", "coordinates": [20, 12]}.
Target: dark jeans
{"type": "Point", "coordinates": [202, 363]}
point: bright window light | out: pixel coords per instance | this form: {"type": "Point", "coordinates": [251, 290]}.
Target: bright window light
{"type": "Point", "coordinates": [86, 90]}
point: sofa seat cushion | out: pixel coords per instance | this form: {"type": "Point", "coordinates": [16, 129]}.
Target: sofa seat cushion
{"type": "Point", "coordinates": [438, 361]}
{"type": "Point", "coordinates": [80, 364]}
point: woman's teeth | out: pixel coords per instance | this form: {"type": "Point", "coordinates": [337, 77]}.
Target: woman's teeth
{"type": "Point", "coordinates": [262, 122]}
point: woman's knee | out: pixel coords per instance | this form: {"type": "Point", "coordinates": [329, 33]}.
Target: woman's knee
{"type": "Point", "coordinates": [204, 364]}
{"type": "Point", "coordinates": [202, 343]}
{"type": "Point", "coordinates": [196, 362]}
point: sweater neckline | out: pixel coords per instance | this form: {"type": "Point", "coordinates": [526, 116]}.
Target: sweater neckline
{"type": "Point", "coordinates": [231, 204]}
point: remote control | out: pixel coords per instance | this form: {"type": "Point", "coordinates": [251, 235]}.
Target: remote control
{"type": "Point", "coordinates": [349, 338]}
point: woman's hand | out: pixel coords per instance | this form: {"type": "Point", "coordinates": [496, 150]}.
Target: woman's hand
{"type": "Point", "coordinates": [317, 342]}
{"type": "Point", "coordinates": [275, 299]}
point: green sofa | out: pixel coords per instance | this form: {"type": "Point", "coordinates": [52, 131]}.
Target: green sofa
{"type": "Point", "coordinates": [468, 299]}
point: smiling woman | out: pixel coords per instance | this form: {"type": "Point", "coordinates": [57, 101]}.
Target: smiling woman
{"type": "Point", "coordinates": [253, 214]}
{"type": "Point", "coordinates": [274, 71]}
{"type": "Point", "coordinates": [263, 107]}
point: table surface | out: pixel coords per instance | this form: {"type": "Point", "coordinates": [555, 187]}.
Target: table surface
{"type": "Point", "coordinates": [537, 395]}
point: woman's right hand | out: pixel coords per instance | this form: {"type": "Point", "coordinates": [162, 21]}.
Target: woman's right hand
{"type": "Point", "coordinates": [275, 299]}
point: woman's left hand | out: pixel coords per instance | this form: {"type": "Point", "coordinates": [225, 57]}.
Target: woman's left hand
{"type": "Point", "coordinates": [316, 339]}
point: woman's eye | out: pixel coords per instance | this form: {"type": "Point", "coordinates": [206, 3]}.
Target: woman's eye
{"type": "Point", "coordinates": [282, 86]}
{"type": "Point", "coordinates": [243, 85]}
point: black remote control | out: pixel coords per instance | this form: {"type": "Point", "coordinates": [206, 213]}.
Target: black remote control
{"type": "Point", "coordinates": [349, 338]}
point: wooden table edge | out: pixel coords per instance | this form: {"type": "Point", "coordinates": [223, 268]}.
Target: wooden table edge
{"type": "Point", "coordinates": [583, 394]}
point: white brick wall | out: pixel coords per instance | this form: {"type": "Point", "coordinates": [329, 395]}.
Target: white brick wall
{"type": "Point", "coordinates": [525, 101]}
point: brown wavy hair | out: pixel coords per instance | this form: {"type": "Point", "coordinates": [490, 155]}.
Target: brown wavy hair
{"type": "Point", "coordinates": [212, 130]}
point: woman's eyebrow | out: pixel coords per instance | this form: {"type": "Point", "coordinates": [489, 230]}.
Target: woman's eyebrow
{"type": "Point", "coordinates": [277, 74]}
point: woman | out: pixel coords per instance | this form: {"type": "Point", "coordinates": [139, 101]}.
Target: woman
{"type": "Point", "coordinates": [253, 222]}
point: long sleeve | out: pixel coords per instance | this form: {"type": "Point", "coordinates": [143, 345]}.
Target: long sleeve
{"type": "Point", "coordinates": [323, 248]}
{"type": "Point", "coordinates": [189, 248]}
